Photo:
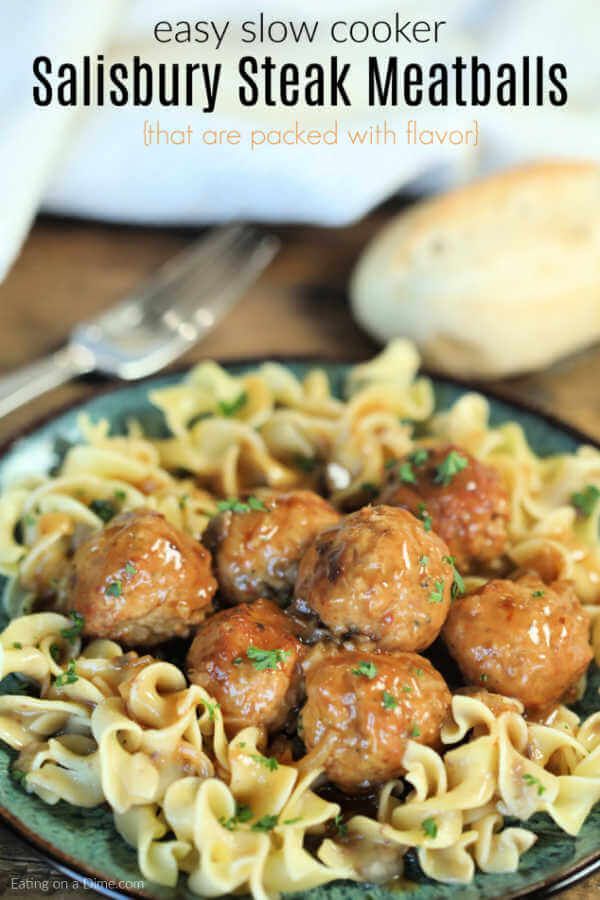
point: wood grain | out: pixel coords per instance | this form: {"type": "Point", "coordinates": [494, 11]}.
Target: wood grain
{"type": "Point", "coordinates": [69, 270]}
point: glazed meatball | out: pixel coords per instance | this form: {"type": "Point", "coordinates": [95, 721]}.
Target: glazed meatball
{"type": "Point", "coordinates": [140, 581]}
{"type": "Point", "coordinates": [523, 638]}
{"type": "Point", "coordinates": [256, 553]}
{"type": "Point", "coordinates": [248, 658]}
{"type": "Point", "coordinates": [361, 710]}
{"type": "Point", "coordinates": [464, 499]}
{"type": "Point", "coordinates": [380, 574]}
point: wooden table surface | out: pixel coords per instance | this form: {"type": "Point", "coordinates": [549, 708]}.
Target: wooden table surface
{"type": "Point", "coordinates": [70, 270]}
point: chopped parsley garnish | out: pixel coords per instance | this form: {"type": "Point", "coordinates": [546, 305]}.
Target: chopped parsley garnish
{"type": "Point", "coordinates": [449, 467]}
{"type": "Point", "coordinates": [120, 494]}
{"type": "Point", "coordinates": [389, 701]}
{"type": "Point", "coordinates": [55, 652]}
{"type": "Point", "coordinates": [269, 762]}
{"type": "Point", "coordinates": [390, 463]}
{"type": "Point", "coordinates": [19, 775]}
{"type": "Point", "coordinates": [538, 593]}
{"type": "Point", "coordinates": [17, 645]}
{"type": "Point", "coordinates": [406, 474]}
{"type": "Point", "coordinates": [458, 585]}
{"type": "Point", "coordinates": [266, 659]}
{"type": "Point", "coordinates": [68, 677]}
{"type": "Point", "coordinates": [238, 661]}
{"type": "Point", "coordinates": [429, 827]}
{"type": "Point", "coordinates": [72, 633]}
{"type": "Point", "coordinates": [423, 562]}
{"type": "Point", "coordinates": [406, 689]}
{"type": "Point", "coordinates": [437, 595]}
{"type": "Point", "coordinates": [231, 407]}
{"type": "Point", "coordinates": [419, 673]}
{"type": "Point", "coordinates": [415, 731]}
{"type": "Point", "coordinates": [130, 569]}
{"type": "Point", "coordinates": [424, 516]}
{"type": "Point", "coordinates": [29, 519]}
{"type": "Point", "coordinates": [243, 813]}
{"type": "Point", "coordinates": [265, 823]}
{"type": "Point", "coordinates": [368, 669]}
{"type": "Point", "coordinates": [585, 501]}
{"type": "Point", "coordinates": [183, 501]}
{"type": "Point", "coordinates": [419, 457]}
{"type": "Point", "coordinates": [292, 821]}
{"type": "Point", "coordinates": [484, 677]}
{"type": "Point", "coordinates": [532, 781]}
{"type": "Point", "coordinates": [211, 709]}
{"type": "Point", "coordinates": [256, 504]}
{"type": "Point", "coordinates": [232, 504]}
{"type": "Point", "coordinates": [114, 589]}
{"type": "Point", "coordinates": [341, 827]}
{"type": "Point", "coordinates": [305, 463]}
{"type": "Point", "coordinates": [104, 509]}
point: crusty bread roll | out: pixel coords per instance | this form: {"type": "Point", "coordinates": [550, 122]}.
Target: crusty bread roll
{"type": "Point", "coordinates": [499, 277]}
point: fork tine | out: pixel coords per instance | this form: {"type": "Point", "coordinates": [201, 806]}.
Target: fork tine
{"type": "Point", "coordinates": [200, 269]}
{"type": "Point", "coordinates": [186, 298]}
{"type": "Point", "coordinates": [205, 289]}
{"type": "Point", "coordinates": [187, 280]}
{"type": "Point", "coordinates": [207, 248]}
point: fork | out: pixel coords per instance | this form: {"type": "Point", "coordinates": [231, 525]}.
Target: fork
{"type": "Point", "coordinates": [152, 327]}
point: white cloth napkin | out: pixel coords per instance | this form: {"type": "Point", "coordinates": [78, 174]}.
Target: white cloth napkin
{"type": "Point", "coordinates": [92, 162]}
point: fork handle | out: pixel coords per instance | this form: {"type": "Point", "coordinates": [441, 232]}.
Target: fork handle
{"type": "Point", "coordinates": [38, 377]}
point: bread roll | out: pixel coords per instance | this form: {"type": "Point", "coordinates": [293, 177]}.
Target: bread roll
{"type": "Point", "coordinates": [499, 277]}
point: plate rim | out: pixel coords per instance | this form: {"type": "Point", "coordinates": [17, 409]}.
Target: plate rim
{"type": "Point", "coordinates": [63, 862]}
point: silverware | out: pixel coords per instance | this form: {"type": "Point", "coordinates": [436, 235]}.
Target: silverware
{"type": "Point", "coordinates": [186, 298]}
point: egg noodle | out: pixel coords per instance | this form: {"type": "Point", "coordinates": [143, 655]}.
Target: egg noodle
{"type": "Point", "coordinates": [108, 726]}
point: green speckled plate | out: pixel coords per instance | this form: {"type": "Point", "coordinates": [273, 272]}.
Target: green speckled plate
{"type": "Point", "coordinates": [85, 844]}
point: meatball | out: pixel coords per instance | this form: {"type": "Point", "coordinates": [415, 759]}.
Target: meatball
{"type": "Point", "coordinates": [464, 499]}
{"type": "Point", "coordinates": [256, 552]}
{"type": "Point", "coordinates": [140, 581]}
{"type": "Point", "coordinates": [248, 658]}
{"type": "Point", "coordinates": [361, 710]}
{"type": "Point", "coordinates": [522, 638]}
{"type": "Point", "coordinates": [380, 574]}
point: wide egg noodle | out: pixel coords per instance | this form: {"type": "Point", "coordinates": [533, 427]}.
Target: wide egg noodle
{"type": "Point", "coordinates": [283, 418]}
{"type": "Point", "coordinates": [143, 828]}
{"type": "Point", "coordinates": [231, 857]}
{"type": "Point", "coordinates": [501, 770]}
{"type": "Point", "coordinates": [65, 768]}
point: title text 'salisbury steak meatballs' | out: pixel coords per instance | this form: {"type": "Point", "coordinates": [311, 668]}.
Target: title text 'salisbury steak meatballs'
{"type": "Point", "coordinates": [248, 658]}
{"type": "Point", "coordinates": [140, 581]}
{"type": "Point", "coordinates": [378, 573]}
{"type": "Point", "coordinates": [365, 707]}
{"type": "Point", "coordinates": [521, 638]}
{"type": "Point", "coordinates": [464, 498]}
{"type": "Point", "coordinates": [256, 553]}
